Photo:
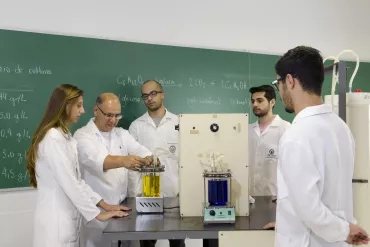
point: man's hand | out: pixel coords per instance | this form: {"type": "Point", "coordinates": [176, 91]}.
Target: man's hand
{"type": "Point", "coordinates": [357, 235]}
{"type": "Point", "coordinates": [133, 162]}
{"type": "Point", "coordinates": [104, 216]}
{"type": "Point", "coordinates": [150, 160]}
{"type": "Point", "coordinates": [270, 225]}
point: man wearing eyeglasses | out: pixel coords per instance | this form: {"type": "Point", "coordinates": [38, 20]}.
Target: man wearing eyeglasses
{"type": "Point", "coordinates": [156, 128]}
{"type": "Point", "coordinates": [108, 156]}
{"type": "Point", "coordinates": [316, 161]}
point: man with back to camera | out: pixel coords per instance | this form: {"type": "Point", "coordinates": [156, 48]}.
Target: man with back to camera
{"type": "Point", "coordinates": [108, 156]}
{"type": "Point", "coordinates": [264, 136]}
{"type": "Point", "coordinates": [156, 128]}
{"type": "Point", "coordinates": [316, 161]}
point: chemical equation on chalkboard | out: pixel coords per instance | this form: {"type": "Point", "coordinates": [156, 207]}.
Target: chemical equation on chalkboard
{"type": "Point", "coordinates": [16, 117]}
{"type": "Point", "coordinates": [19, 136]}
{"type": "Point", "coordinates": [14, 99]}
{"type": "Point", "coordinates": [9, 173]}
{"type": "Point", "coordinates": [224, 84]}
{"type": "Point", "coordinates": [137, 81]}
{"type": "Point", "coordinates": [37, 70]}
{"type": "Point", "coordinates": [194, 101]}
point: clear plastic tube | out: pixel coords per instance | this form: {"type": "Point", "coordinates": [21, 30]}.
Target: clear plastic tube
{"type": "Point", "coordinates": [335, 78]}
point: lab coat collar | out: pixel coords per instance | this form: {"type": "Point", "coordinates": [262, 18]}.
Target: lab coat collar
{"type": "Point", "coordinates": [313, 110]}
{"type": "Point", "coordinates": [93, 130]}
{"type": "Point", "coordinates": [91, 127]}
{"type": "Point", "coordinates": [148, 119]}
{"type": "Point", "coordinates": [275, 123]}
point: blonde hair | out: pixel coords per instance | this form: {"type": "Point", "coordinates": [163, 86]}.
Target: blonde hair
{"type": "Point", "coordinates": [55, 116]}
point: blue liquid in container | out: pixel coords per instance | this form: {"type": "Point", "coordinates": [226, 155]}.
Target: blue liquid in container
{"type": "Point", "coordinates": [217, 192]}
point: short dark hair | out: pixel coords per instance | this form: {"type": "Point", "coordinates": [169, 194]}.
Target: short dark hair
{"type": "Point", "coordinates": [267, 89]}
{"type": "Point", "coordinates": [306, 64]}
{"type": "Point", "coordinates": [158, 84]}
{"type": "Point", "coordinates": [99, 101]}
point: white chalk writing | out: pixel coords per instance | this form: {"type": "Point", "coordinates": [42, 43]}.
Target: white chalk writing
{"type": "Point", "coordinates": [37, 70]}
{"type": "Point", "coordinates": [193, 101]}
{"type": "Point", "coordinates": [125, 99]}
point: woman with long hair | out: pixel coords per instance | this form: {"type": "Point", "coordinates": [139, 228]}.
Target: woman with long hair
{"type": "Point", "coordinates": [52, 163]}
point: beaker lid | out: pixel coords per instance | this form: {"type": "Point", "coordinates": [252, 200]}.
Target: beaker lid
{"type": "Point", "coordinates": [151, 169]}
{"type": "Point", "coordinates": [217, 174]}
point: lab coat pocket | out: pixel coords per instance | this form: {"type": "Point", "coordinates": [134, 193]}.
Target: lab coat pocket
{"type": "Point", "coordinates": [282, 189]}
{"type": "Point", "coordinates": [281, 240]}
{"type": "Point", "coordinates": [301, 240]}
{"type": "Point", "coordinates": [68, 228]}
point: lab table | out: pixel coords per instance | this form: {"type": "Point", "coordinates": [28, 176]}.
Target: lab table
{"type": "Point", "coordinates": [170, 225]}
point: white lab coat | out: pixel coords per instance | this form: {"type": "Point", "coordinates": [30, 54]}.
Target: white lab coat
{"type": "Point", "coordinates": [315, 168]}
{"type": "Point", "coordinates": [111, 184]}
{"type": "Point", "coordinates": [166, 137]}
{"type": "Point", "coordinates": [61, 194]}
{"type": "Point", "coordinates": [263, 156]}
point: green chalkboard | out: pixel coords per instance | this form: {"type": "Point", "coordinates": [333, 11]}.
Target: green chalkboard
{"type": "Point", "coordinates": [194, 80]}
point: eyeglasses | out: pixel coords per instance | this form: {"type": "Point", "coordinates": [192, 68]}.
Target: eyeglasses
{"type": "Point", "coordinates": [276, 82]}
{"type": "Point", "coordinates": [111, 115]}
{"type": "Point", "coordinates": [152, 94]}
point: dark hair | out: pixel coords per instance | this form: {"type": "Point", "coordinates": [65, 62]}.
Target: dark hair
{"type": "Point", "coordinates": [267, 89]}
{"type": "Point", "coordinates": [99, 101]}
{"type": "Point", "coordinates": [158, 84]}
{"type": "Point", "coordinates": [306, 64]}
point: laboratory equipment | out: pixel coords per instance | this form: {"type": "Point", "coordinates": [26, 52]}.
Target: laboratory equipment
{"type": "Point", "coordinates": [200, 137]}
{"type": "Point", "coordinates": [354, 108]}
{"type": "Point", "coordinates": [150, 200]}
{"type": "Point", "coordinates": [260, 238]}
{"type": "Point", "coordinates": [358, 120]}
{"type": "Point", "coordinates": [217, 193]}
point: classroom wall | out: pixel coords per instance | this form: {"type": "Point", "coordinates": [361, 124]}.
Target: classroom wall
{"type": "Point", "coordinates": [268, 26]}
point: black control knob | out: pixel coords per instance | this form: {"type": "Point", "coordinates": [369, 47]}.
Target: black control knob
{"type": "Point", "coordinates": [212, 212]}
{"type": "Point", "coordinates": [177, 127]}
{"type": "Point", "coordinates": [214, 127]}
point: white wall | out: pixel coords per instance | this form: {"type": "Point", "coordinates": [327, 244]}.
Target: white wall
{"type": "Point", "coordinates": [268, 26]}
{"type": "Point", "coordinates": [16, 218]}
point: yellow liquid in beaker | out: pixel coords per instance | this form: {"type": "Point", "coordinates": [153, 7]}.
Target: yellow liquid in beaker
{"type": "Point", "coordinates": [151, 185]}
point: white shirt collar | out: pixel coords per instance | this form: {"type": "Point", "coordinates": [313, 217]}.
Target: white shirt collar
{"type": "Point", "coordinates": [167, 116]}
{"type": "Point", "coordinates": [313, 110]}
{"type": "Point", "coordinates": [91, 126]}
{"type": "Point", "coordinates": [275, 122]}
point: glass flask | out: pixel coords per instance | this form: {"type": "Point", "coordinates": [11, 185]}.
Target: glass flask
{"type": "Point", "coordinates": [217, 188]}
{"type": "Point", "coordinates": [151, 181]}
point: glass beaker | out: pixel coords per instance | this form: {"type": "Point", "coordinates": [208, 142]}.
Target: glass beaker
{"type": "Point", "coordinates": [217, 188]}
{"type": "Point", "coordinates": [151, 184]}
{"type": "Point", "coordinates": [151, 180]}
{"type": "Point", "coordinates": [218, 192]}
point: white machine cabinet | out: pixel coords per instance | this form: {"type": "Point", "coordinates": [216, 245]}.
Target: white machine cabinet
{"type": "Point", "coordinates": [256, 238]}
{"type": "Point", "coordinates": [200, 135]}
{"type": "Point", "coordinates": [358, 120]}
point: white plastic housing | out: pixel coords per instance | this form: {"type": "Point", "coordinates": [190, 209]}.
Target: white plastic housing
{"type": "Point", "coordinates": [358, 120]}
{"type": "Point", "coordinates": [195, 139]}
